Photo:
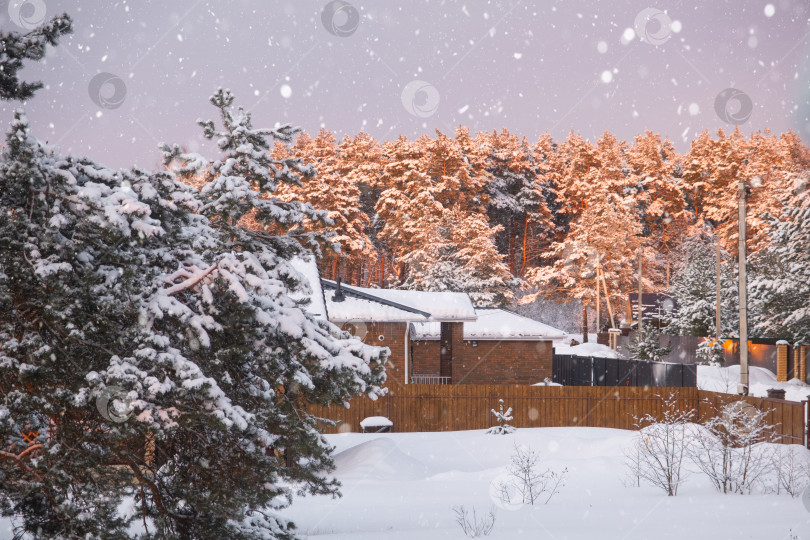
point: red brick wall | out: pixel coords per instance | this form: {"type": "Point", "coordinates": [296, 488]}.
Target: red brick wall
{"type": "Point", "coordinates": [425, 356]}
{"type": "Point", "coordinates": [393, 338]}
{"type": "Point", "coordinates": [491, 362]}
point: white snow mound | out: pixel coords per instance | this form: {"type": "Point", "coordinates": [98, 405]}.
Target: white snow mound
{"type": "Point", "coordinates": [378, 459]}
{"type": "Point", "coordinates": [725, 379]}
{"type": "Point", "coordinates": [586, 349]}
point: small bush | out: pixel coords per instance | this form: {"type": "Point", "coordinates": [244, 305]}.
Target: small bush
{"type": "Point", "coordinates": [728, 448]}
{"type": "Point", "coordinates": [472, 525]}
{"type": "Point", "coordinates": [659, 448]}
{"type": "Point", "coordinates": [503, 417]}
{"type": "Point", "coordinates": [526, 483]}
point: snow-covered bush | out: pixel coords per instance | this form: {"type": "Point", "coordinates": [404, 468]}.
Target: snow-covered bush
{"type": "Point", "coordinates": [659, 448]}
{"type": "Point", "coordinates": [503, 417]}
{"type": "Point", "coordinates": [525, 482]}
{"type": "Point", "coordinates": [473, 525]}
{"type": "Point", "coordinates": [731, 448]}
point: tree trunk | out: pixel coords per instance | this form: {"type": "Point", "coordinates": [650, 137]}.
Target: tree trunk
{"type": "Point", "coordinates": [525, 246]}
{"type": "Point", "coordinates": [584, 323]}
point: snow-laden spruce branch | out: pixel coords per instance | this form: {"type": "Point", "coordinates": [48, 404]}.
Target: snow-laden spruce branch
{"type": "Point", "coordinates": [140, 285]}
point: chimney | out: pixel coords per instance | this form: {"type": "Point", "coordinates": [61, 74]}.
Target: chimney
{"type": "Point", "coordinates": [338, 297]}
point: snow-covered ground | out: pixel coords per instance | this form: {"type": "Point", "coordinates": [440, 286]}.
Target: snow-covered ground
{"type": "Point", "coordinates": [725, 379]}
{"type": "Point", "coordinates": [404, 485]}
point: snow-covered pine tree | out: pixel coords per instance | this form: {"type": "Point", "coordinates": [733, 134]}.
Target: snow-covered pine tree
{"type": "Point", "coordinates": [577, 158]}
{"type": "Point", "coordinates": [134, 308]}
{"type": "Point", "coordinates": [780, 284]}
{"type": "Point", "coordinates": [694, 289]}
{"type": "Point", "coordinates": [503, 418]}
{"type": "Point", "coordinates": [516, 199]}
{"type": "Point", "coordinates": [360, 164]}
{"type": "Point", "coordinates": [456, 253]}
{"type": "Point", "coordinates": [16, 48]}
{"type": "Point", "coordinates": [661, 203]}
{"type": "Point", "coordinates": [607, 236]}
{"type": "Point", "coordinates": [335, 193]}
{"type": "Point", "coordinates": [407, 202]}
{"type": "Point", "coordinates": [711, 171]}
{"type": "Point", "coordinates": [646, 345]}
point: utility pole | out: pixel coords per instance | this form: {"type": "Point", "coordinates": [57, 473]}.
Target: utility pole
{"type": "Point", "coordinates": [598, 301]}
{"type": "Point", "coordinates": [640, 254]}
{"type": "Point", "coordinates": [743, 386]}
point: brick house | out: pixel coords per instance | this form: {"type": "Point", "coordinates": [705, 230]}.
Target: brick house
{"type": "Point", "coordinates": [437, 337]}
{"type": "Point", "coordinates": [384, 317]}
{"type": "Point", "coordinates": [499, 347]}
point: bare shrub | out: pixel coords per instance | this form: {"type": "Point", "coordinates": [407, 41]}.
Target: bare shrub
{"type": "Point", "coordinates": [473, 525]}
{"type": "Point", "coordinates": [526, 483]}
{"type": "Point", "coordinates": [728, 448]}
{"type": "Point", "coordinates": [791, 470]}
{"type": "Point", "coordinates": [659, 448]}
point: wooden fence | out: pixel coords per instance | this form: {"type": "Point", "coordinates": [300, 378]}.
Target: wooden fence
{"type": "Point", "coordinates": [462, 407]}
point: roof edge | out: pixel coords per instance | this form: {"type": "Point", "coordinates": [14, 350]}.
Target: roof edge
{"type": "Point", "coordinates": [365, 296]}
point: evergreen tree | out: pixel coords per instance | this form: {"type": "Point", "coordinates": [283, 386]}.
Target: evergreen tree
{"type": "Point", "coordinates": [360, 164]}
{"type": "Point", "coordinates": [136, 309]}
{"type": "Point", "coordinates": [330, 190]}
{"type": "Point", "coordinates": [660, 197]}
{"type": "Point", "coordinates": [516, 199]}
{"type": "Point", "coordinates": [456, 253]}
{"type": "Point", "coordinates": [16, 48]}
{"type": "Point", "coordinates": [605, 237]}
{"type": "Point", "coordinates": [646, 345]}
{"type": "Point", "coordinates": [780, 284]}
{"type": "Point", "coordinates": [694, 289]}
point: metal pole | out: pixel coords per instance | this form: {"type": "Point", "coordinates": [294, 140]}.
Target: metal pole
{"type": "Point", "coordinates": [743, 386]}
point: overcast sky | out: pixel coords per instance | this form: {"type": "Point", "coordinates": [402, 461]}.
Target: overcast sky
{"type": "Point", "coordinates": [411, 67]}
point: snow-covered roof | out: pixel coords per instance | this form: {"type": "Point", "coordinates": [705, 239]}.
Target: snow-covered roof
{"type": "Point", "coordinates": [396, 305]}
{"type": "Point", "coordinates": [496, 324]}
{"type": "Point", "coordinates": [309, 269]}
